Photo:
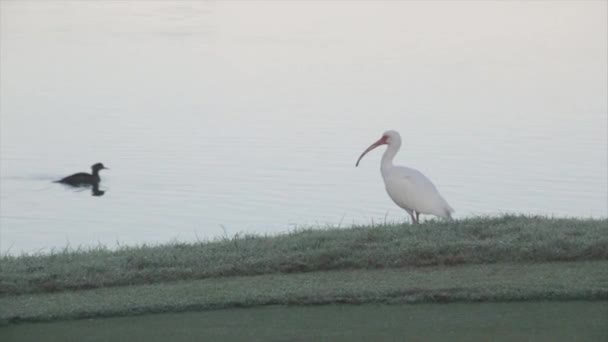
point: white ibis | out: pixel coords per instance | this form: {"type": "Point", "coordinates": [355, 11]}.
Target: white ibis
{"type": "Point", "coordinates": [407, 187]}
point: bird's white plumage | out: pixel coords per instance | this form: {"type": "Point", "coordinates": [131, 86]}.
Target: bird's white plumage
{"type": "Point", "coordinates": [407, 187]}
{"type": "Point", "coordinates": [412, 190]}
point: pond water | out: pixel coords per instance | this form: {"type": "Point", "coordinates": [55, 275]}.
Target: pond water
{"type": "Point", "coordinates": [220, 117]}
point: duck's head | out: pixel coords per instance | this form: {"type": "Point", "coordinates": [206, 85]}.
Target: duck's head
{"type": "Point", "coordinates": [98, 166]}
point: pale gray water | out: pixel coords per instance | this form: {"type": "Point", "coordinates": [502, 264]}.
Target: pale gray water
{"type": "Point", "coordinates": [251, 115]}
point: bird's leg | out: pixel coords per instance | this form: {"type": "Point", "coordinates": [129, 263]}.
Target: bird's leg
{"type": "Point", "coordinates": [417, 216]}
{"type": "Point", "coordinates": [414, 221]}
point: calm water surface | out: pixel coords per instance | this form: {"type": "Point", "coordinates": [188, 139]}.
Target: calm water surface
{"type": "Point", "coordinates": [250, 115]}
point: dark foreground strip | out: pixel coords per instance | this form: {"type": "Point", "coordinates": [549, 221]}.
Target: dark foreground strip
{"type": "Point", "coordinates": [466, 283]}
{"type": "Point", "coordinates": [512, 321]}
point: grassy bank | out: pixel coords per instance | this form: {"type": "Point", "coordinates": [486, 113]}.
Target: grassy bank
{"type": "Point", "coordinates": [508, 239]}
{"type": "Point", "coordinates": [557, 281]}
{"type": "Point", "coordinates": [510, 258]}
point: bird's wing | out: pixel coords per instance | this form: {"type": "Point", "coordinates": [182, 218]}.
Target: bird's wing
{"type": "Point", "coordinates": [412, 189]}
{"type": "Point", "coordinates": [414, 176]}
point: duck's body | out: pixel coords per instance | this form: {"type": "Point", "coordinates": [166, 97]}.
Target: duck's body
{"type": "Point", "coordinates": [407, 187]}
{"type": "Point", "coordinates": [82, 178]}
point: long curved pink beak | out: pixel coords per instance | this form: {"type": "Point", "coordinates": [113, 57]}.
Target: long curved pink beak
{"type": "Point", "coordinates": [380, 141]}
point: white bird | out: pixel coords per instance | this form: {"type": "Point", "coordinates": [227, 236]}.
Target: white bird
{"type": "Point", "coordinates": [407, 187]}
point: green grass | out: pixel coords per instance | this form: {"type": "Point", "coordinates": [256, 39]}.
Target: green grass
{"type": "Point", "coordinates": [509, 258]}
{"type": "Point", "coordinates": [507, 239]}
{"type": "Point", "coordinates": [584, 280]}
{"type": "Point", "coordinates": [514, 321]}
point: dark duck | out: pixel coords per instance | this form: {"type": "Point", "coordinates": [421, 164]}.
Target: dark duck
{"type": "Point", "coordinates": [82, 178]}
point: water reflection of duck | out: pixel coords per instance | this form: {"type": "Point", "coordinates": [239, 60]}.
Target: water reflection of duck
{"type": "Point", "coordinates": [95, 190]}
{"type": "Point", "coordinates": [82, 178]}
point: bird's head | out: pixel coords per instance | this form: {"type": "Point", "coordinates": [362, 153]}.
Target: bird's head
{"type": "Point", "coordinates": [388, 138]}
{"type": "Point", "coordinates": [98, 166]}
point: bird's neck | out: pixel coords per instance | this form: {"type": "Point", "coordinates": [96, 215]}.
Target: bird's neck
{"type": "Point", "coordinates": [96, 173]}
{"type": "Point", "coordinates": [389, 155]}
